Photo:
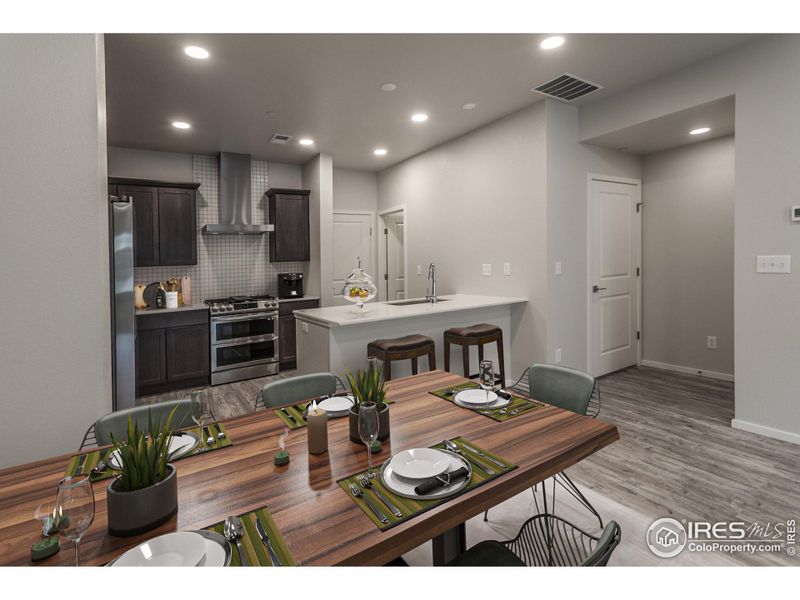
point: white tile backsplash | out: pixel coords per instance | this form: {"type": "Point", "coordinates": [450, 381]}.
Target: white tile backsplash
{"type": "Point", "coordinates": [227, 265]}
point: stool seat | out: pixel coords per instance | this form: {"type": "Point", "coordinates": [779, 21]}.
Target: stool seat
{"type": "Point", "coordinates": [473, 330]}
{"type": "Point", "coordinates": [409, 342]}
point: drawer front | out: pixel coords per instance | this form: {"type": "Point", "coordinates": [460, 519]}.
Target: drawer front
{"type": "Point", "coordinates": [164, 320]}
{"type": "Point", "coordinates": [287, 308]}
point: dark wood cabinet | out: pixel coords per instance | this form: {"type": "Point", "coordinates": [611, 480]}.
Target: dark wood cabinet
{"type": "Point", "coordinates": [164, 221]}
{"type": "Point", "coordinates": [172, 350]}
{"type": "Point", "coordinates": [289, 213]}
{"type": "Point", "coordinates": [287, 332]}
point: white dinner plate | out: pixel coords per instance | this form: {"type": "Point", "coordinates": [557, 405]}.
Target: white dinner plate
{"type": "Point", "coordinates": [500, 402]}
{"type": "Point", "coordinates": [177, 549]}
{"type": "Point", "coordinates": [336, 405]}
{"type": "Point", "coordinates": [475, 397]}
{"type": "Point", "coordinates": [180, 445]}
{"type": "Point", "coordinates": [405, 487]}
{"type": "Point", "coordinates": [218, 550]}
{"type": "Point", "coordinates": [420, 463]}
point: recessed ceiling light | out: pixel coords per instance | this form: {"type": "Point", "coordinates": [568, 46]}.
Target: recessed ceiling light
{"type": "Point", "coordinates": [469, 106]}
{"type": "Point", "coordinates": [181, 125]}
{"type": "Point", "coordinates": [305, 142]}
{"type": "Point", "coordinates": [419, 118]}
{"type": "Point", "coordinates": [700, 130]}
{"type": "Point", "coordinates": [196, 52]}
{"type": "Point", "coordinates": [554, 41]}
{"type": "Point", "coordinates": [388, 87]}
{"type": "Point", "coordinates": [379, 151]}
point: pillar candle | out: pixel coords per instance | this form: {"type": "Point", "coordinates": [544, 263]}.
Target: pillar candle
{"type": "Point", "coordinates": [317, 430]}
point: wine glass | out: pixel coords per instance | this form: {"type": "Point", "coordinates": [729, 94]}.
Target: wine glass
{"type": "Point", "coordinates": [74, 508]}
{"type": "Point", "coordinates": [486, 376]}
{"type": "Point", "coordinates": [368, 426]}
{"type": "Point", "coordinates": [201, 414]}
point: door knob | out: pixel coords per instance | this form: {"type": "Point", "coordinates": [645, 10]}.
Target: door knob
{"type": "Point", "coordinates": [596, 289]}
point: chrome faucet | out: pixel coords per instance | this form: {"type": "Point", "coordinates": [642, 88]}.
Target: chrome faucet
{"type": "Point", "coordinates": [432, 278]}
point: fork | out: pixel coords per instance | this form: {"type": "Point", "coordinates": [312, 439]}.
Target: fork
{"type": "Point", "coordinates": [450, 445]}
{"type": "Point", "coordinates": [356, 491]}
{"type": "Point", "coordinates": [367, 485]}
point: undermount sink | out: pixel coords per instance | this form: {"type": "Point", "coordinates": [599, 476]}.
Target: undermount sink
{"type": "Point", "coordinates": [418, 301]}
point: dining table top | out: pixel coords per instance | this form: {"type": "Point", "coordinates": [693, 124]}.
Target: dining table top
{"type": "Point", "coordinates": [321, 525]}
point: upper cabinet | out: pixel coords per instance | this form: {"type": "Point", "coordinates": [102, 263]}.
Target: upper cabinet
{"type": "Point", "coordinates": [164, 221]}
{"type": "Point", "coordinates": [288, 212]}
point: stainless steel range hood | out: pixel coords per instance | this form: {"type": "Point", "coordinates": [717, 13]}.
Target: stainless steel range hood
{"type": "Point", "coordinates": [235, 206]}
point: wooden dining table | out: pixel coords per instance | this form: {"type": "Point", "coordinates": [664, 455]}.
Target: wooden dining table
{"type": "Point", "coordinates": [319, 522]}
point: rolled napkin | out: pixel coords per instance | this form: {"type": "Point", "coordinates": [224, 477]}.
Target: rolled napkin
{"type": "Point", "coordinates": [503, 394]}
{"type": "Point", "coordinates": [444, 480]}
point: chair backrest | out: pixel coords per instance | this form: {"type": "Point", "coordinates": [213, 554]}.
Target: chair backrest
{"type": "Point", "coordinates": [559, 386]}
{"type": "Point", "coordinates": [116, 423]}
{"type": "Point", "coordinates": [303, 387]}
{"type": "Point", "coordinates": [609, 539]}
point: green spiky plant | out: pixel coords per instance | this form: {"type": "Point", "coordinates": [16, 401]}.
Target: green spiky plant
{"type": "Point", "coordinates": [367, 386]}
{"type": "Point", "coordinates": [144, 454]}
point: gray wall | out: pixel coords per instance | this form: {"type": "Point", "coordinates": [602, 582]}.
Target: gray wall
{"type": "Point", "coordinates": [149, 164]}
{"type": "Point", "coordinates": [317, 176]}
{"type": "Point", "coordinates": [355, 190]}
{"type": "Point", "coordinates": [55, 366]}
{"type": "Point", "coordinates": [481, 198]}
{"type": "Point", "coordinates": [766, 319]}
{"type": "Point", "coordinates": [687, 251]}
{"type": "Point", "coordinates": [568, 166]}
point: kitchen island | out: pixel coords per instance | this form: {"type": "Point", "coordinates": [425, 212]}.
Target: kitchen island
{"type": "Point", "coordinates": [335, 338]}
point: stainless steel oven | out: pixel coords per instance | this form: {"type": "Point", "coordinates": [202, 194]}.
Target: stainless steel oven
{"type": "Point", "coordinates": [243, 346]}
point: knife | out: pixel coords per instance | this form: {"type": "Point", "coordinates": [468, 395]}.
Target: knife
{"type": "Point", "coordinates": [79, 467]}
{"type": "Point", "coordinates": [265, 539]}
{"type": "Point", "coordinates": [482, 455]}
{"type": "Point", "coordinates": [289, 415]}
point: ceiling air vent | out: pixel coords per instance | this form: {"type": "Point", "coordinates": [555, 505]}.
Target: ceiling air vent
{"type": "Point", "coordinates": [567, 87]}
{"type": "Point", "coordinates": [280, 138]}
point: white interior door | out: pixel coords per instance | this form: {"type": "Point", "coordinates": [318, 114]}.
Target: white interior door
{"type": "Point", "coordinates": [614, 249]}
{"type": "Point", "coordinates": [395, 257]}
{"type": "Point", "coordinates": [352, 239]}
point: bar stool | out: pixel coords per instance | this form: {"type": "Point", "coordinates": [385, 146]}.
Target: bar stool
{"type": "Point", "coordinates": [403, 348]}
{"type": "Point", "coordinates": [474, 335]}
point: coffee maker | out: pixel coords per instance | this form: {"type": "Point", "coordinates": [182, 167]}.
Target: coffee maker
{"type": "Point", "coordinates": [290, 285]}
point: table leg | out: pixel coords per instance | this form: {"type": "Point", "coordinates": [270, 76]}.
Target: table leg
{"type": "Point", "coordinates": [449, 545]}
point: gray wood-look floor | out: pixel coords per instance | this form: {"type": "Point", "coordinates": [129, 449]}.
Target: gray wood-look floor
{"type": "Point", "coordinates": [678, 456]}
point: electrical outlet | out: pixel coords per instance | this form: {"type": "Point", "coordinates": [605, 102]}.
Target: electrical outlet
{"type": "Point", "coordinates": [711, 342]}
{"type": "Point", "coordinates": [558, 267]}
{"type": "Point", "coordinates": [778, 263]}
{"type": "Point", "coordinates": [304, 327]}
{"type": "Point", "coordinates": [506, 269]}
{"type": "Point", "coordinates": [419, 269]}
{"type": "Point", "coordinates": [486, 269]}
{"type": "Point", "coordinates": [558, 355]}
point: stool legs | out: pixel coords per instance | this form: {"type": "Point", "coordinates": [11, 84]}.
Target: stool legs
{"type": "Point", "coordinates": [432, 359]}
{"type": "Point", "coordinates": [465, 359]}
{"type": "Point", "coordinates": [414, 366]}
{"type": "Point", "coordinates": [501, 359]}
{"type": "Point", "coordinates": [387, 369]}
{"type": "Point", "coordinates": [446, 354]}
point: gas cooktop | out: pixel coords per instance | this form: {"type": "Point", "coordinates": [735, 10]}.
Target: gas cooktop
{"type": "Point", "coordinates": [242, 303]}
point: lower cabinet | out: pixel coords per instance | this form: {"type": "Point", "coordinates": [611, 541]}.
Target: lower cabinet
{"type": "Point", "coordinates": [172, 351]}
{"type": "Point", "coordinates": [287, 337]}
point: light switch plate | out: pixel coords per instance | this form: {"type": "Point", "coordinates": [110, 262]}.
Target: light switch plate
{"type": "Point", "coordinates": [486, 269]}
{"type": "Point", "coordinates": [558, 267]}
{"type": "Point", "coordinates": [506, 268]}
{"type": "Point", "coordinates": [558, 355]}
{"type": "Point", "coordinates": [304, 327]}
{"type": "Point", "coordinates": [773, 263]}
{"type": "Point", "coordinates": [419, 269]}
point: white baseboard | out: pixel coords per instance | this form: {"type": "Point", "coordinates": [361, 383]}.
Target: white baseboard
{"type": "Point", "coordinates": [778, 434]}
{"type": "Point", "coordinates": [692, 371]}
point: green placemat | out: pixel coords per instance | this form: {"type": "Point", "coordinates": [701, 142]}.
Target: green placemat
{"type": "Point", "coordinates": [253, 546]}
{"type": "Point", "coordinates": [297, 421]}
{"type": "Point", "coordinates": [412, 508]}
{"type": "Point", "coordinates": [84, 463]}
{"type": "Point", "coordinates": [518, 405]}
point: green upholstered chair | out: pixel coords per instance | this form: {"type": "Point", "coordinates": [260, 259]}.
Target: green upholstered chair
{"type": "Point", "coordinates": [116, 423]}
{"type": "Point", "coordinates": [292, 390]}
{"type": "Point", "coordinates": [545, 540]}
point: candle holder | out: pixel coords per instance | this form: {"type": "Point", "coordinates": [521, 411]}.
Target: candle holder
{"type": "Point", "coordinates": [376, 446]}
{"type": "Point", "coordinates": [281, 458]}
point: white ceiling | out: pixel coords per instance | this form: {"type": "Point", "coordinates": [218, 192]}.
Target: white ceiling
{"type": "Point", "coordinates": [327, 87]}
{"type": "Point", "coordinates": [672, 131]}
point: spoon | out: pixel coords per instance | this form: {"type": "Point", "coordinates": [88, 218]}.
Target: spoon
{"type": "Point", "coordinates": [233, 530]}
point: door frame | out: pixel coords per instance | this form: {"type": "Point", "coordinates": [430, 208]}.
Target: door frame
{"type": "Point", "coordinates": [373, 225]}
{"type": "Point", "coordinates": [382, 248]}
{"type": "Point", "coordinates": [637, 257]}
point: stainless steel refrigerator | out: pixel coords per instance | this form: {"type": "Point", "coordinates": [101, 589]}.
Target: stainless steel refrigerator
{"type": "Point", "coordinates": [123, 330]}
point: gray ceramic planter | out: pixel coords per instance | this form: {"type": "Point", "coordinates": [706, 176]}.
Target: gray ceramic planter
{"type": "Point", "coordinates": [132, 513]}
{"type": "Point", "coordinates": [383, 428]}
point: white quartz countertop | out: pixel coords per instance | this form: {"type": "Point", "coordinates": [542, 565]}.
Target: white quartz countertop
{"type": "Point", "coordinates": [140, 312]}
{"type": "Point", "coordinates": [340, 316]}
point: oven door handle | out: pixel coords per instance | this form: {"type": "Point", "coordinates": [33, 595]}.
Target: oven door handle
{"type": "Point", "coordinates": [247, 317]}
{"type": "Point", "coordinates": [246, 340]}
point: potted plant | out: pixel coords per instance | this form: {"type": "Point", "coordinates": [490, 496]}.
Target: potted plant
{"type": "Point", "coordinates": [367, 385]}
{"type": "Point", "coordinates": [145, 493]}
